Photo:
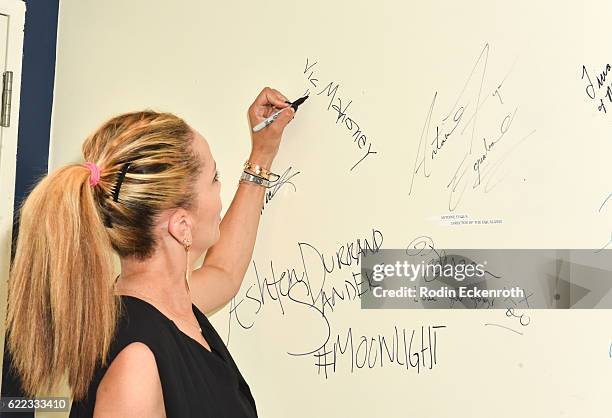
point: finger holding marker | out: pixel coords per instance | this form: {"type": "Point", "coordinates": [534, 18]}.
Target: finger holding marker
{"type": "Point", "coordinates": [282, 114]}
{"type": "Point", "coordinates": [268, 101]}
{"type": "Point", "coordinates": [279, 97]}
{"type": "Point", "coordinates": [268, 121]}
{"type": "Point", "coordinates": [266, 142]}
{"type": "Point", "coordinates": [267, 128]}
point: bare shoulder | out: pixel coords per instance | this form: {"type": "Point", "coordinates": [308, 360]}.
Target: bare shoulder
{"type": "Point", "coordinates": [131, 385]}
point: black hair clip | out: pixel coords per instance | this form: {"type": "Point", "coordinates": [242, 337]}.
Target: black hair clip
{"type": "Point", "coordinates": [107, 219]}
{"type": "Point", "coordinates": [120, 181]}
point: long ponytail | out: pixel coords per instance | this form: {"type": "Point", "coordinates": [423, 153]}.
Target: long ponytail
{"type": "Point", "coordinates": [61, 309]}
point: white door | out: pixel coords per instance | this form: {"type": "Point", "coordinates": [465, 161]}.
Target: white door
{"type": "Point", "coordinates": [12, 16]}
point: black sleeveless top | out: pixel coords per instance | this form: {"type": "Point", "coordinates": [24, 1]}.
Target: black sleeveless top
{"type": "Point", "coordinates": [195, 382]}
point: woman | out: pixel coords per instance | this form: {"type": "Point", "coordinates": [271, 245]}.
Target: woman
{"type": "Point", "coordinates": [138, 345]}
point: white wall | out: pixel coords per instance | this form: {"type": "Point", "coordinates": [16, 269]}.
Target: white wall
{"type": "Point", "coordinates": [206, 61]}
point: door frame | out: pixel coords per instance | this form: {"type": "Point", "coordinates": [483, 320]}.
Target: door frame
{"type": "Point", "coordinates": [15, 10]}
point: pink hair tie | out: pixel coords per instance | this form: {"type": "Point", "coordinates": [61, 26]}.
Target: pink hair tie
{"type": "Point", "coordinates": [95, 173]}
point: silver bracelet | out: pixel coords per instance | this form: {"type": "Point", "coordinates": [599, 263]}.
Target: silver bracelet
{"type": "Point", "coordinates": [260, 181]}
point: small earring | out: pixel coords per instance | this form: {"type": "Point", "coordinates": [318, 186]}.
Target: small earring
{"type": "Point", "coordinates": [187, 246]}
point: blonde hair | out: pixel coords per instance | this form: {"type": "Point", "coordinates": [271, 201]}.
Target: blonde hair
{"type": "Point", "coordinates": [62, 311]}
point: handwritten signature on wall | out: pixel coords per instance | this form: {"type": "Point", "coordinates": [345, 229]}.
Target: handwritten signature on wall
{"type": "Point", "coordinates": [310, 287]}
{"type": "Point", "coordinates": [283, 180]}
{"type": "Point", "coordinates": [600, 94]}
{"type": "Point", "coordinates": [461, 124]}
{"type": "Point", "coordinates": [343, 119]}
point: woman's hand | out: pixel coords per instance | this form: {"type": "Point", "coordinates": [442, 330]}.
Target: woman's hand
{"type": "Point", "coordinates": [266, 142]}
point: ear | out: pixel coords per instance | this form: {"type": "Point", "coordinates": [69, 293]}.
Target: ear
{"type": "Point", "coordinates": [179, 226]}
